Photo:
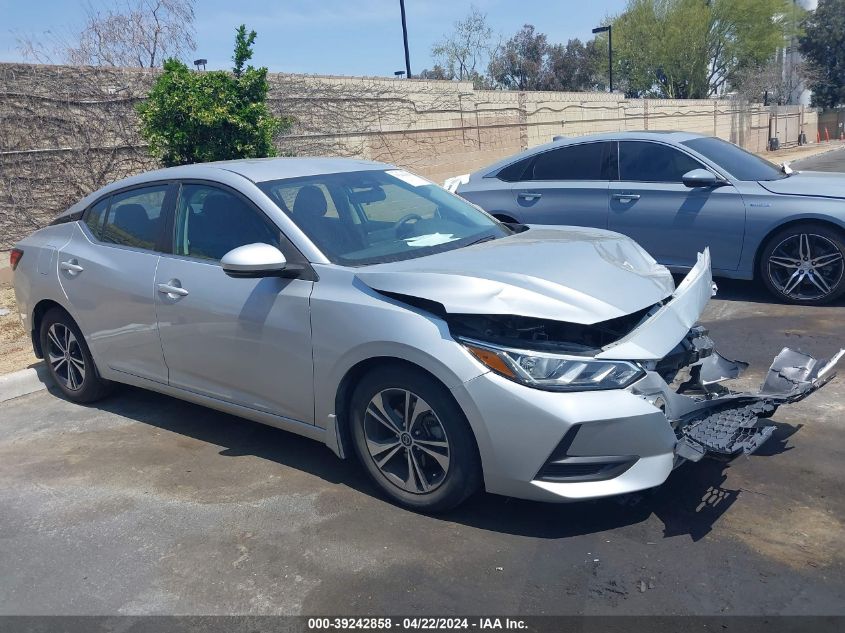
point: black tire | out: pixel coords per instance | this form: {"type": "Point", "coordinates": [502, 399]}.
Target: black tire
{"type": "Point", "coordinates": [811, 284]}
{"type": "Point", "coordinates": [454, 484]}
{"type": "Point", "coordinates": [74, 373]}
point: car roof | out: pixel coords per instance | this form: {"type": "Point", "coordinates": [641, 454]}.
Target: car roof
{"type": "Point", "coordinates": [670, 136]}
{"type": "Point", "coordinates": [264, 169]}
{"type": "Point", "coordinates": [253, 169]}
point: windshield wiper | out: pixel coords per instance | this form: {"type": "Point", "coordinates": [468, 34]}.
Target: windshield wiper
{"type": "Point", "coordinates": [486, 238]}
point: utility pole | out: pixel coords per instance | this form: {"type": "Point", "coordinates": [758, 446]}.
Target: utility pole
{"type": "Point", "coordinates": [405, 39]}
{"type": "Point", "coordinates": [609, 30]}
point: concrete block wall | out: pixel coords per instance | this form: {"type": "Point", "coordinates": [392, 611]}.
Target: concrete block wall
{"type": "Point", "coordinates": [66, 130]}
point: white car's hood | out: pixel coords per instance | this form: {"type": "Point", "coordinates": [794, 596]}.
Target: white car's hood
{"type": "Point", "coordinates": [808, 183]}
{"type": "Point", "coordinates": [572, 274]}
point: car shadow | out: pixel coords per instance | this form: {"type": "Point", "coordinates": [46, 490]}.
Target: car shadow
{"type": "Point", "coordinates": [750, 292]}
{"type": "Point", "coordinates": [689, 503]}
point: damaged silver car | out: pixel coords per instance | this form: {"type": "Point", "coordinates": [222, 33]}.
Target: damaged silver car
{"type": "Point", "coordinates": [364, 307]}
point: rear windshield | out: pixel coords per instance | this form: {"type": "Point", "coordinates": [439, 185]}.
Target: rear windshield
{"type": "Point", "coordinates": [736, 161]}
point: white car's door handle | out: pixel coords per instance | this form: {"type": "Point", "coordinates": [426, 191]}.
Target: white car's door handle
{"type": "Point", "coordinates": [527, 195]}
{"type": "Point", "coordinates": [169, 290]}
{"type": "Point", "coordinates": [626, 197]}
{"type": "Point", "coordinates": [72, 266]}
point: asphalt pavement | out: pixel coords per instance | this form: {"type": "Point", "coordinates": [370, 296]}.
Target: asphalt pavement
{"type": "Point", "coordinates": [145, 504]}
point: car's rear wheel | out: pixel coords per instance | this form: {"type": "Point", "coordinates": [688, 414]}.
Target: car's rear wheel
{"type": "Point", "coordinates": [805, 264]}
{"type": "Point", "coordinates": [413, 439]}
{"type": "Point", "coordinates": [68, 358]}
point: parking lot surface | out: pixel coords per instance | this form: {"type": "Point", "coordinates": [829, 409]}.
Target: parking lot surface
{"type": "Point", "coordinates": [146, 504]}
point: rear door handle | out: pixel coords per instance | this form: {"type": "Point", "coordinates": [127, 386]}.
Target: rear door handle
{"type": "Point", "coordinates": [626, 197]}
{"type": "Point", "coordinates": [529, 195]}
{"type": "Point", "coordinates": [172, 291]}
{"type": "Point", "coordinates": [72, 266]}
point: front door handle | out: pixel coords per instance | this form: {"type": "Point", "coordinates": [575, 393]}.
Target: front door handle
{"type": "Point", "coordinates": [626, 197]}
{"type": "Point", "coordinates": [72, 266]}
{"type": "Point", "coordinates": [530, 195]}
{"type": "Point", "coordinates": [171, 290]}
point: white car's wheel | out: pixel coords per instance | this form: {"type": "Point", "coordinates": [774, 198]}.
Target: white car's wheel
{"type": "Point", "coordinates": [413, 439]}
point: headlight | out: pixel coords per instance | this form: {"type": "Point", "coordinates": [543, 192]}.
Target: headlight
{"type": "Point", "coordinates": [554, 372]}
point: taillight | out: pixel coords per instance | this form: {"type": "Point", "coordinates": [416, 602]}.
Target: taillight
{"type": "Point", "coordinates": [15, 257]}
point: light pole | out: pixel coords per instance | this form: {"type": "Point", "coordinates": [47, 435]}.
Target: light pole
{"type": "Point", "coordinates": [608, 29]}
{"type": "Point", "coordinates": [405, 39]}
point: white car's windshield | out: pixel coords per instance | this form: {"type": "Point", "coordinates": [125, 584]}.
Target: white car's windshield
{"type": "Point", "coordinates": [369, 217]}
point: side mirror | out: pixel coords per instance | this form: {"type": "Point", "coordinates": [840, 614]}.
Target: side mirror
{"type": "Point", "coordinates": [702, 178]}
{"type": "Point", "coordinates": [253, 261]}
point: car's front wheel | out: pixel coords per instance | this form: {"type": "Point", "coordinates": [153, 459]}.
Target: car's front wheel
{"type": "Point", "coordinates": [68, 358]}
{"type": "Point", "coordinates": [413, 439]}
{"type": "Point", "coordinates": [805, 264]}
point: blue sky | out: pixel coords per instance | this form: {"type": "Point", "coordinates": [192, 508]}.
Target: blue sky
{"type": "Point", "coordinates": [337, 37]}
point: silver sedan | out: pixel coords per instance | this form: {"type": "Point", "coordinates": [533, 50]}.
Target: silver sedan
{"type": "Point", "coordinates": [676, 193]}
{"type": "Point", "coordinates": [364, 307]}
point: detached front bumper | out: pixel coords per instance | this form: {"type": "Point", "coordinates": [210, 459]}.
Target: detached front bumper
{"type": "Point", "coordinates": [569, 446]}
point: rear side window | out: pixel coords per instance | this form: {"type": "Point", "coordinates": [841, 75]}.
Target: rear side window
{"type": "Point", "coordinates": [573, 162]}
{"type": "Point", "coordinates": [640, 161]}
{"type": "Point", "coordinates": [95, 214]}
{"type": "Point", "coordinates": [211, 221]}
{"type": "Point", "coordinates": [135, 217]}
{"type": "Point", "coordinates": [515, 171]}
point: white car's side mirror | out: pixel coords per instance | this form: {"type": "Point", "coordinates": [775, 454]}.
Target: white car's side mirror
{"type": "Point", "coordinates": [254, 260]}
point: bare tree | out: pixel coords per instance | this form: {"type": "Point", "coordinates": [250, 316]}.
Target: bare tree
{"type": "Point", "coordinates": [466, 49]}
{"type": "Point", "coordinates": [772, 83]}
{"type": "Point", "coordinates": [140, 33]}
{"type": "Point", "coordinates": [64, 132]}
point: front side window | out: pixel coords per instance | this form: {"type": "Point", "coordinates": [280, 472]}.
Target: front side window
{"type": "Point", "coordinates": [211, 221]}
{"type": "Point", "coordinates": [640, 161]}
{"type": "Point", "coordinates": [135, 217]}
{"type": "Point", "coordinates": [368, 217]}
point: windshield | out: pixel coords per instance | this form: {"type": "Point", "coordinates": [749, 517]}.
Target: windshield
{"type": "Point", "coordinates": [369, 217]}
{"type": "Point", "coordinates": [734, 160]}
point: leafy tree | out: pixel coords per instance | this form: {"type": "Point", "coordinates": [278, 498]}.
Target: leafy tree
{"type": "Point", "coordinates": [194, 117]}
{"type": "Point", "coordinates": [695, 48]}
{"type": "Point", "coordinates": [575, 66]}
{"type": "Point", "coordinates": [461, 54]}
{"type": "Point", "coordinates": [519, 63]}
{"type": "Point", "coordinates": [823, 44]}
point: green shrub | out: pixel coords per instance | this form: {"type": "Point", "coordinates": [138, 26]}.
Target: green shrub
{"type": "Point", "coordinates": [196, 117]}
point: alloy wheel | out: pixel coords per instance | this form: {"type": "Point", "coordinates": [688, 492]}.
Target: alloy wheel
{"type": "Point", "coordinates": [406, 441]}
{"type": "Point", "coordinates": [806, 267]}
{"type": "Point", "coordinates": [65, 356]}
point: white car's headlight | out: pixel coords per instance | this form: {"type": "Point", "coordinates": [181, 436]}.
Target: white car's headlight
{"type": "Point", "coordinates": [554, 372]}
{"type": "Point", "coordinates": [452, 184]}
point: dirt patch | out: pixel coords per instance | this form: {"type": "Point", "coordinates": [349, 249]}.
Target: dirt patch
{"type": "Point", "coordinates": [801, 537]}
{"type": "Point", "coordinates": [15, 344]}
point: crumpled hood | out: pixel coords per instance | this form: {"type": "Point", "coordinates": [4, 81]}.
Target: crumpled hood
{"type": "Point", "coordinates": [572, 274]}
{"type": "Point", "coordinates": [808, 183]}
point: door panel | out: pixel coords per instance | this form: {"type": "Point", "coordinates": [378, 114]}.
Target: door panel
{"type": "Point", "coordinates": [650, 204]}
{"type": "Point", "coordinates": [566, 185]}
{"type": "Point", "coordinates": [246, 341]}
{"type": "Point", "coordinates": [568, 203]}
{"type": "Point", "coordinates": [674, 223]}
{"type": "Point", "coordinates": [107, 271]}
{"type": "Point", "coordinates": [110, 292]}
